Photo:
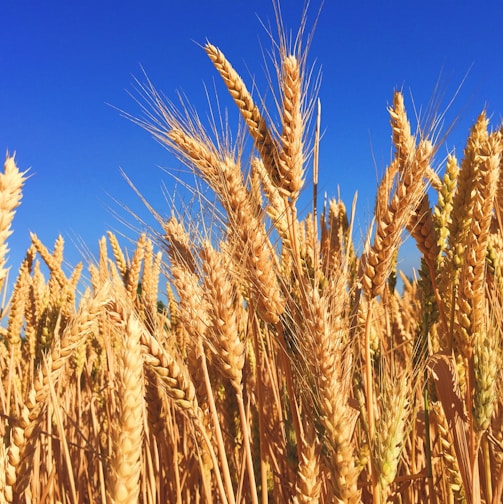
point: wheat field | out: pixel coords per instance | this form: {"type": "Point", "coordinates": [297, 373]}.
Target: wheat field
{"type": "Point", "coordinates": [289, 363]}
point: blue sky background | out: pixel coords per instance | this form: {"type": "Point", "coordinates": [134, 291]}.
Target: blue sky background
{"type": "Point", "coordinates": [64, 62]}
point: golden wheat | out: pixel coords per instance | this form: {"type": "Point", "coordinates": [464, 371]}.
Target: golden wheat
{"type": "Point", "coordinates": [284, 362]}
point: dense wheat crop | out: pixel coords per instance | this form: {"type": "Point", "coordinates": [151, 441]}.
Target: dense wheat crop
{"type": "Point", "coordinates": [286, 366]}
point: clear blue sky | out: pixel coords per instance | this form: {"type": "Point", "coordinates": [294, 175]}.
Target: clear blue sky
{"type": "Point", "coordinates": [63, 62]}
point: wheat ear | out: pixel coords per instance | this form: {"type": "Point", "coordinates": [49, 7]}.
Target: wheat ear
{"type": "Point", "coordinates": [17, 308]}
{"type": "Point", "coordinates": [463, 207]}
{"type": "Point", "coordinates": [448, 454]}
{"type": "Point", "coordinates": [394, 212]}
{"type": "Point", "coordinates": [11, 184]}
{"type": "Point", "coordinates": [134, 270]}
{"type": "Point", "coordinates": [330, 360]}
{"type": "Point", "coordinates": [256, 123]}
{"type": "Point", "coordinates": [470, 316]}
{"type": "Point", "coordinates": [390, 433]}
{"type": "Point", "coordinates": [377, 262]}
{"type": "Point", "coordinates": [128, 431]}
{"type": "Point", "coordinates": [291, 157]}
{"type": "Point", "coordinates": [308, 484]}
{"type": "Point", "coordinates": [120, 260]}
{"type": "Point", "coordinates": [225, 309]}
{"type": "Point", "coordinates": [276, 207]}
{"type": "Point", "coordinates": [444, 207]}
{"type": "Point", "coordinates": [52, 262]}
{"type": "Point", "coordinates": [403, 140]}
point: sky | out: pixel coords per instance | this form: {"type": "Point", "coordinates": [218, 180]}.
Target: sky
{"type": "Point", "coordinates": [68, 68]}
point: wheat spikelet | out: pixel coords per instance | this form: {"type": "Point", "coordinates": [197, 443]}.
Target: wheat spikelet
{"type": "Point", "coordinates": [494, 254]}
{"type": "Point", "coordinates": [335, 242]}
{"type": "Point", "coordinates": [32, 314]}
{"type": "Point", "coordinates": [11, 184]}
{"type": "Point", "coordinates": [150, 285]}
{"type": "Point", "coordinates": [103, 262]}
{"type": "Point", "coordinates": [150, 275]}
{"type": "Point", "coordinates": [434, 179]}
{"type": "Point", "coordinates": [256, 186]}
{"type": "Point", "coordinates": [58, 251]}
{"type": "Point", "coordinates": [35, 311]}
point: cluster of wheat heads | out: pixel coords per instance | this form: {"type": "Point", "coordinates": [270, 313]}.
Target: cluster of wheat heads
{"type": "Point", "coordinates": [286, 365]}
